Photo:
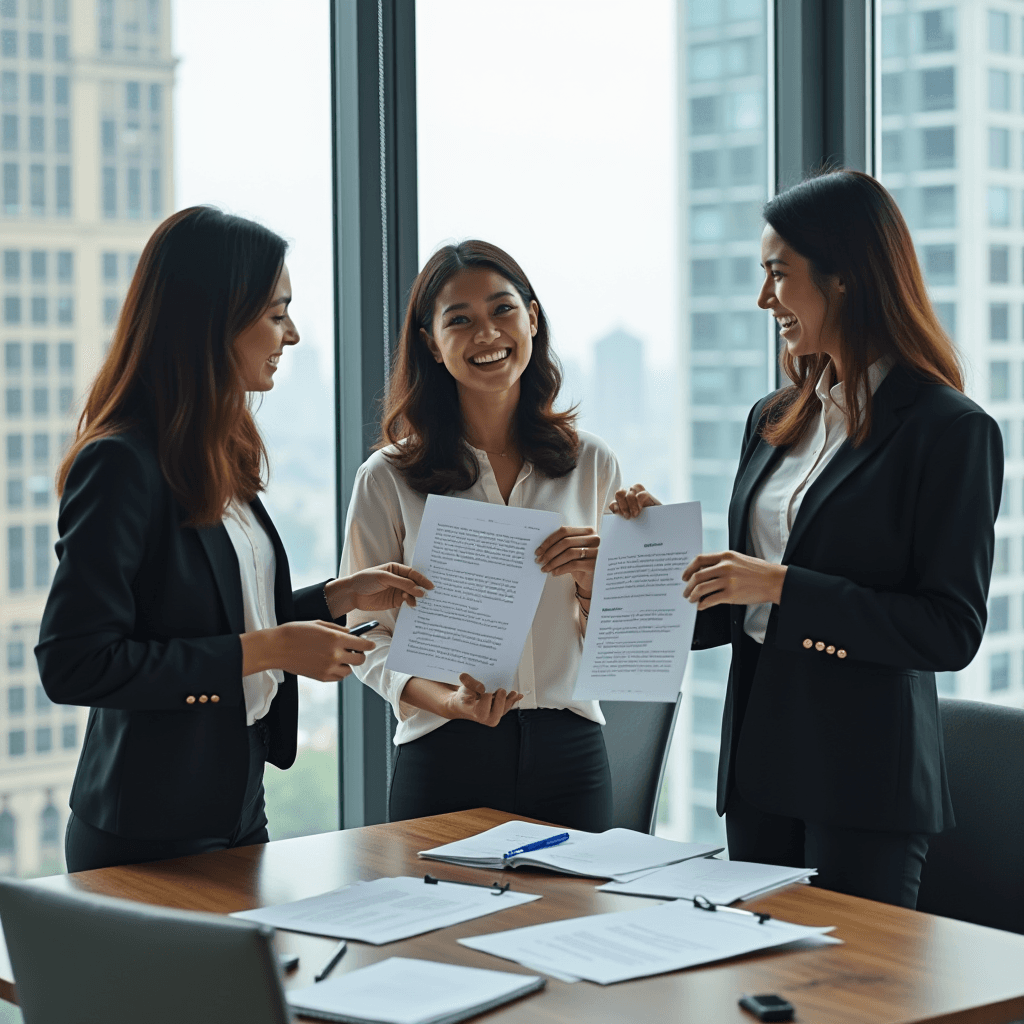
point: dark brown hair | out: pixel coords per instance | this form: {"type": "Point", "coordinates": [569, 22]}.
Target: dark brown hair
{"type": "Point", "coordinates": [171, 371]}
{"type": "Point", "coordinates": [422, 408]}
{"type": "Point", "coordinates": [847, 225]}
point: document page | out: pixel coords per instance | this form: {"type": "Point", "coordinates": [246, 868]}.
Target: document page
{"type": "Point", "coordinates": [640, 626]}
{"type": "Point", "coordinates": [385, 910]}
{"type": "Point", "coordinates": [487, 585]}
{"type": "Point", "coordinates": [401, 990]}
{"type": "Point", "coordinates": [606, 948]}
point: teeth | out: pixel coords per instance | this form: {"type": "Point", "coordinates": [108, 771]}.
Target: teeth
{"type": "Point", "coordinates": [491, 357]}
{"type": "Point", "coordinates": [787, 321]}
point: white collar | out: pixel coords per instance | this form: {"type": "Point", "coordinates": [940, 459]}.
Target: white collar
{"type": "Point", "coordinates": [834, 395]}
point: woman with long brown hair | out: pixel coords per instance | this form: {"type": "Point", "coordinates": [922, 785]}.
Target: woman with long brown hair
{"type": "Point", "coordinates": [470, 413]}
{"type": "Point", "coordinates": [861, 544]}
{"type": "Point", "coordinates": [171, 614]}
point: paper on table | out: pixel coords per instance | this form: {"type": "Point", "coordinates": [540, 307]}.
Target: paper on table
{"type": "Point", "coordinates": [618, 853]}
{"type": "Point", "coordinates": [607, 948]}
{"type": "Point", "coordinates": [721, 881]}
{"type": "Point", "coordinates": [487, 586]}
{"type": "Point", "coordinates": [400, 990]}
{"type": "Point", "coordinates": [385, 910]}
{"type": "Point", "coordinates": [640, 626]}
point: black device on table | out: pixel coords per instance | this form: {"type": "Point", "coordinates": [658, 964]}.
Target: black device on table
{"type": "Point", "coordinates": [363, 627]}
{"type": "Point", "coordinates": [768, 1007]}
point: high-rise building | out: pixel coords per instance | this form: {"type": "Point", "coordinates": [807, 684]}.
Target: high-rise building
{"type": "Point", "coordinates": [86, 155]}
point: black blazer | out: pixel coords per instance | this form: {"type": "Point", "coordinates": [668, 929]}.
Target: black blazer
{"type": "Point", "coordinates": [835, 719]}
{"type": "Point", "coordinates": [142, 625]}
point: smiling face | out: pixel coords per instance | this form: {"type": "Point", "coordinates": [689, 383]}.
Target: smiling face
{"type": "Point", "coordinates": [482, 331]}
{"type": "Point", "coordinates": [260, 345]}
{"type": "Point", "coordinates": [808, 320]}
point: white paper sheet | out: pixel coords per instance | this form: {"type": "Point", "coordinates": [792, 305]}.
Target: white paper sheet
{"type": "Point", "coordinates": [720, 881]}
{"type": "Point", "coordinates": [401, 990]}
{"type": "Point", "coordinates": [606, 948]}
{"type": "Point", "coordinates": [640, 626]}
{"type": "Point", "coordinates": [618, 853]}
{"type": "Point", "coordinates": [385, 910]}
{"type": "Point", "coordinates": [487, 585]}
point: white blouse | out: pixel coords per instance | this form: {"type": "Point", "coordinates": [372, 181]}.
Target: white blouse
{"type": "Point", "coordinates": [775, 505]}
{"type": "Point", "coordinates": [382, 526]}
{"type": "Point", "coordinates": [257, 564]}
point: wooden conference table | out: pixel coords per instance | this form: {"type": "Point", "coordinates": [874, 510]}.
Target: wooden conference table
{"type": "Point", "coordinates": [895, 965]}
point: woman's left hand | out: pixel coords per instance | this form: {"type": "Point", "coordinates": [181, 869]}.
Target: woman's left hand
{"type": "Point", "coordinates": [731, 578]}
{"type": "Point", "coordinates": [376, 589]}
{"type": "Point", "coordinates": [571, 549]}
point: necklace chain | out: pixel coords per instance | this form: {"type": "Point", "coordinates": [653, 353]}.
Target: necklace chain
{"type": "Point", "coordinates": [501, 455]}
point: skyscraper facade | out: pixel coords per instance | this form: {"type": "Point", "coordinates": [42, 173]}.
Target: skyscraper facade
{"type": "Point", "coordinates": [86, 155]}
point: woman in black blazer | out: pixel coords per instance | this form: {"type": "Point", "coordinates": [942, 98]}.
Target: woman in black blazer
{"type": "Point", "coordinates": [186, 651]}
{"type": "Point", "coordinates": [861, 546]}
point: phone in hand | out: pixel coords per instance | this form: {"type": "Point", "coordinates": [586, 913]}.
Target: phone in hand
{"type": "Point", "coordinates": [768, 1007]}
{"type": "Point", "coordinates": [363, 627]}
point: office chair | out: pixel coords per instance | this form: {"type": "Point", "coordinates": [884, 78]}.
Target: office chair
{"type": "Point", "coordinates": [976, 871]}
{"type": "Point", "coordinates": [637, 736]}
{"type": "Point", "coordinates": [86, 958]}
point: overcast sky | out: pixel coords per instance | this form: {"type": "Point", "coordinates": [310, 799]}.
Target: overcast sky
{"type": "Point", "coordinates": [545, 126]}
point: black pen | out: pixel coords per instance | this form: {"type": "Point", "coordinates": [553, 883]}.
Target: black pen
{"type": "Point", "coordinates": [332, 963]}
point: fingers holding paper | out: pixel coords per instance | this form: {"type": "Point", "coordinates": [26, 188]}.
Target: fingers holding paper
{"type": "Point", "coordinates": [472, 701]}
{"type": "Point", "coordinates": [629, 503]}
{"type": "Point", "coordinates": [377, 588]}
{"type": "Point", "coordinates": [571, 549]}
{"type": "Point", "coordinates": [727, 577]}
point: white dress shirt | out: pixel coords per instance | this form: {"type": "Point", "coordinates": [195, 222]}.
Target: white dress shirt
{"type": "Point", "coordinates": [257, 564]}
{"type": "Point", "coordinates": [775, 504]}
{"type": "Point", "coordinates": [383, 523]}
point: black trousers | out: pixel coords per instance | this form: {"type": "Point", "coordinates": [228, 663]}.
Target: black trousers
{"type": "Point", "coordinates": [539, 763]}
{"type": "Point", "coordinates": [87, 847]}
{"type": "Point", "coordinates": [882, 866]}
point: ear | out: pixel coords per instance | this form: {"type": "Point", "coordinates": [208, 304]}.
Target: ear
{"type": "Point", "coordinates": [841, 285]}
{"type": "Point", "coordinates": [431, 345]}
{"type": "Point", "coordinates": [534, 318]}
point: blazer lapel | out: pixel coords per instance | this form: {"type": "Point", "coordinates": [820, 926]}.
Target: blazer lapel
{"type": "Point", "coordinates": [897, 390]}
{"type": "Point", "coordinates": [764, 458]}
{"type": "Point", "coordinates": [224, 562]}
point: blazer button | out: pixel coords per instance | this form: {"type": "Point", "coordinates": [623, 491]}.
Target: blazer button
{"type": "Point", "coordinates": [840, 653]}
{"type": "Point", "coordinates": [190, 699]}
{"type": "Point", "coordinates": [819, 646]}
{"type": "Point", "coordinates": [203, 699]}
{"type": "Point", "coordinates": [808, 643]}
{"type": "Point", "coordinates": [830, 649]}
{"type": "Point", "coordinates": [214, 698]}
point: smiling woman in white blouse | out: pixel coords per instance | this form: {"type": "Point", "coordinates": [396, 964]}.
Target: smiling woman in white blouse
{"type": "Point", "coordinates": [171, 614]}
{"type": "Point", "coordinates": [861, 537]}
{"type": "Point", "coordinates": [470, 413]}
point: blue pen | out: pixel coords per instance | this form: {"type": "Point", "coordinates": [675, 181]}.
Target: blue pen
{"type": "Point", "coordinates": [543, 844]}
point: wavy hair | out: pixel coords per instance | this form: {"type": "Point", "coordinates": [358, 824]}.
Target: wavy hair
{"type": "Point", "coordinates": [847, 225]}
{"type": "Point", "coordinates": [422, 409]}
{"type": "Point", "coordinates": [171, 370]}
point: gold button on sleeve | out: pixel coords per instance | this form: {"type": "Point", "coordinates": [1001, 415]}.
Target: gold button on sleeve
{"type": "Point", "coordinates": [820, 645]}
{"type": "Point", "coordinates": [830, 649]}
{"type": "Point", "coordinates": [214, 698]}
{"type": "Point", "coordinates": [203, 699]}
{"type": "Point", "coordinates": [840, 653]}
{"type": "Point", "coordinates": [808, 643]}
{"type": "Point", "coordinates": [190, 699]}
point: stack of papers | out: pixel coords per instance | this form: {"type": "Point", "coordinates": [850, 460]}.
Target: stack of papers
{"type": "Point", "coordinates": [386, 910]}
{"type": "Point", "coordinates": [607, 948]}
{"type": "Point", "coordinates": [403, 991]}
{"type": "Point", "coordinates": [619, 853]}
{"type": "Point", "coordinates": [720, 881]}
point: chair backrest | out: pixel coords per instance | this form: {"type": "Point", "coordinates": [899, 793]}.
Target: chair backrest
{"type": "Point", "coordinates": [86, 958]}
{"type": "Point", "coordinates": [637, 736]}
{"type": "Point", "coordinates": [975, 872]}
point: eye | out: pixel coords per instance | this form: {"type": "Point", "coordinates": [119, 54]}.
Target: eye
{"type": "Point", "coordinates": [457, 320]}
{"type": "Point", "coordinates": [504, 307]}
{"type": "Point", "coordinates": [279, 319]}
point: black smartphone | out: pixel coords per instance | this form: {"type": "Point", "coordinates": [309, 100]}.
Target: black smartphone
{"type": "Point", "coordinates": [768, 1007]}
{"type": "Point", "coordinates": [363, 627]}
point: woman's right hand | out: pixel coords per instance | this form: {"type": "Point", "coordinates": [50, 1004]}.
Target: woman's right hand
{"type": "Point", "coordinates": [316, 649]}
{"type": "Point", "coordinates": [628, 503]}
{"type": "Point", "coordinates": [471, 700]}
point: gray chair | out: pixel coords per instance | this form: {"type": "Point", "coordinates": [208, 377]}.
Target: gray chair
{"type": "Point", "coordinates": [975, 872]}
{"type": "Point", "coordinates": [85, 958]}
{"type": "Point", "coordinates": [637, 736]}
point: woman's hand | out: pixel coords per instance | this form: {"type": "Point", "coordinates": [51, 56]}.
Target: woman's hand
{"type": "Point", "coordinates": [319, 650]}
{"type": "Point", "coordinates": [571, 549]}
{"type": "Point", "coordinates": [376, 589]}
{"type": "Point", "coordinates": [731, 578]}
{"type": "Point", "coordinates": [471, 700]}
{"type": "Point", "coordinates": [629, 503]}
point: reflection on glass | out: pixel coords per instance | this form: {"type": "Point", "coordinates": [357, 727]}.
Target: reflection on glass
{"type": "Point", "coordinates": [951, 154]}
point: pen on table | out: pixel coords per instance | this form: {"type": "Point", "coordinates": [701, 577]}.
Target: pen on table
{"type": "Point", "coordinates": [338, 953]}
{"type": "Point", "coordinates": [541, 845]}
